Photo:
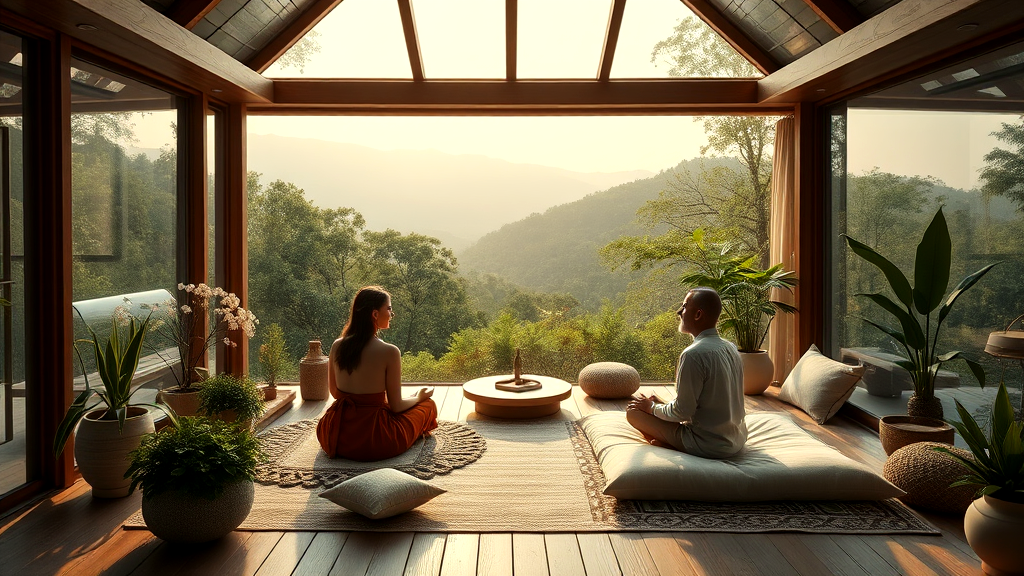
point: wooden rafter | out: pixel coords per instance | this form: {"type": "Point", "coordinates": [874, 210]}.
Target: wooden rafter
{"type": "Point", "coordinates": [838, 14]}
{"type": "Point", "coordinates": [412, 40]}
{"type": "Point", "coordinates": [291, 34]}
{"type": "Point", "coordinates": [704, 10]}
{"type": "Point", "coordinates": [511, 29]}
{"type": "Point", "coordinates": [188, 13]}
{"type": "Point", "coordinates": [611, 38]}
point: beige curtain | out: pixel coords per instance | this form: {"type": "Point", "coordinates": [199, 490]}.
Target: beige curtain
{"type": "Point", "coordinates": [782, 242]}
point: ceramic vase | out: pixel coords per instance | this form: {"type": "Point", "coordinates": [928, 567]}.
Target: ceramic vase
{"type": "Point", "coordinates": [313, 373]}
{"type": "Point", "coordinates": [758, 371]}
{"type": "Point", "coordinates": [993, 528]}
{"type": "Point", "coordinates": [102, 451]}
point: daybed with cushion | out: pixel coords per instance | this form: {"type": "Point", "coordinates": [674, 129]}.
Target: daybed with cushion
{"type": "Point", "coordinates": [779, 462]}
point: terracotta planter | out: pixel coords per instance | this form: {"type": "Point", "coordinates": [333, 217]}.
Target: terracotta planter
{"type": "Point", "coordinates": [183, 403]}
{"type": "Point", "coordinates": [895, 432]}
{"type": "Point", "coordinates": [178, 517]}
{"type": "Point", "coordinates": [758, 371]}
{"type": "Point", "coordinates": [313, 373]}
{"type": "Point", "coordinates": [102, 452]}
{"type": "Point", "coordinates": [269, 392]}
{"type": "Point", "coordinates": [993, 528]}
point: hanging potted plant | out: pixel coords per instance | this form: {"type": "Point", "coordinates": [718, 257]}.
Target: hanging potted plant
{"type": "Point", "coordinates": [747, 307]}
{"type": "Point", "coordinates": [915, 310]}
{"type": "Point", "coordinates": [231, 399]}
{"type": "Point", "coordinates": [106, 435]}
{"type": "Point", "coordinates": [184, 326]}
{"type": "Point", "coordinates": [196, 478]}
{"type": "Point", "coordinates": [994, 522]}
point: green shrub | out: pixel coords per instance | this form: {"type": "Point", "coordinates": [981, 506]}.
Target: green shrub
{"type": "Point", "coordinates": [273, 358]}
{"type": "Point", "coordinates": [199, 456]}
{"type": "Point", "coordinates": [226, 392]}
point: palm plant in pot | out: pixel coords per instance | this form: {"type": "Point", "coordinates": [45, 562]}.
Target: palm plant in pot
{"type": "Point", "coordinates": [994, 522]}
{"type": "Point", "coordinates": [106, 435]}
{"type": "Point", "coordinates": [189, 328]}
{"type": "Point", "coordinates": [196, 478]}
{"type": "Point", "coordinates": [747, 306]}
{"type": "Point", "coordinates": [921, 309]}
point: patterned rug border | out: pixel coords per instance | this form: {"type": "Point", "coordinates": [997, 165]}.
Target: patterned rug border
{"type": "Point", "coordinates": [885, 516]}
{"type": "Point", "coordinates": [461, 446]}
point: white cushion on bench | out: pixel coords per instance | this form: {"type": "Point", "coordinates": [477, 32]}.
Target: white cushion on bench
{"type": "Point", "coordinates": [779, 462]}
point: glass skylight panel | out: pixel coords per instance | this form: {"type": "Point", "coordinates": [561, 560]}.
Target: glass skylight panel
{"type": "Point", "coordinates": [358, 39]}
{"type": "Point", "coordinates": [561, 38]}
{"type": "Point", "coordinates": [461, 38]}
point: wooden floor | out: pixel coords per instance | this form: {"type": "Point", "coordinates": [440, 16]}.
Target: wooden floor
{"type": "Point", "coordinates": [72, 533]}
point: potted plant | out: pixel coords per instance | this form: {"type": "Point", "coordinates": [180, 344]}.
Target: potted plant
{"type": "Point", "coordinates": [188, 328]}
{"type": "Point", "coordinates": [231, 399]}
{"type": "Point", "coordinates": [196, 478]}
{"type": "Point", "coordinates": [106, 435]}
{"type": "Point", "coordinates": [747, 307]}
{"type": "Point", "coordinates": [915, 307]}
{"type": "Point", "coordinates": [273, 359]}
{"type": "Point", "coordinates": [994, 522]}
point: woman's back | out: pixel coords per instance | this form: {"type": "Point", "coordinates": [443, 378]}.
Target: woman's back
{"type": "Point", "coordinates": [370, 376]}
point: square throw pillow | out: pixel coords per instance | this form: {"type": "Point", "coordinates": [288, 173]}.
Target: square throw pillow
{"type": "Point", "coordinates": [819, 385]}
{"type": "Point", "coordinates": [382, 493]}
{"type": "Point", "coordinates": [779, 462]}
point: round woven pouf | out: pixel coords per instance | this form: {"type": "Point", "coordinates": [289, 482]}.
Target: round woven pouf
{"type": "Point", "coordinates": [609, 380]}
{"type": "Point", "coordinates": [925, 475]}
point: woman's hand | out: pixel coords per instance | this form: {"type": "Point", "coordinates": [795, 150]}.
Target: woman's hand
{"type": "Point", "coordinates": [423, 394]}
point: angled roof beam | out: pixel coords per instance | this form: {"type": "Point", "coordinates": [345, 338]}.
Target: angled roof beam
{"type": "Point", "coordinates": [291, 34]}
{"type": "Point", "coordinates": [412, 40]}
{"type": "Point", "coordinates": [611, 38]}
{"type": "Point", "coordinates": [188, 13]}
{"type": "Point", "coordinates": [511, 29]}
{"type": "Point", "coordinates": [704, 10]}
{"type": "Point", "coordinates": [838, 14]}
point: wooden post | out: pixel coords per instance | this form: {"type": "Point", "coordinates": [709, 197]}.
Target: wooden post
{"type": "Point", "coordinates": [192, 207]}
{"type": "Point", "coordinates": [810, 242]}
{"type": "Point", "coordinates": [236, 229]}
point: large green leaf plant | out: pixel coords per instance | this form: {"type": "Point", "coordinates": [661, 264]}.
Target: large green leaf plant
{"type": "Point", "coordinates": [915, 306]}
{"type": "Point", "coordinates": [116, 363]}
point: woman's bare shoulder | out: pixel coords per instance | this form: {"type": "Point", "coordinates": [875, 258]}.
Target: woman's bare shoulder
{"type": "Point", "coordinates": [382, 348]}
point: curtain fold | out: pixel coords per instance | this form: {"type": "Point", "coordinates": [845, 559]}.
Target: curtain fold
{"type": "Point", "coordinates": [782, 247]}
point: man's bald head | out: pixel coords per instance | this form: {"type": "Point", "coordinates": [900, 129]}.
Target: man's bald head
{"type": "Point", "coordinates": [708, 301]}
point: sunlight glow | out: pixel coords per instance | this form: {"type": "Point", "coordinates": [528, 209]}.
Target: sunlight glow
{"type": "Point", "coordinates": [644, 24]}
{"type": "Point", "coordinates": [561, 38]}
{"type": "Point", "coordinates": [461, 38]}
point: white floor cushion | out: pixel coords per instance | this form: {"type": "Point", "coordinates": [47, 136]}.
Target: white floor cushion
{"type": "Point", "coordinates": [779, 462]}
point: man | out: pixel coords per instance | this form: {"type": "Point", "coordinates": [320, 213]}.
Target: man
{"type": "Point", "coordinates": [706, 418]}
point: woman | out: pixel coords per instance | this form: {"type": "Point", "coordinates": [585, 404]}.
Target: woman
{"type": "Point", "coordinates": [370, 420]}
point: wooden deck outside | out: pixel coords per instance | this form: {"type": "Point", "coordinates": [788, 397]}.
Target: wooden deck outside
{"type": "Point", "coordinates": [72, 533]}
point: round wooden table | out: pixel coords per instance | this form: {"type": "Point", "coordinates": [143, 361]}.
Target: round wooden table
{"type": "Point", "coordinates": [530, 404]}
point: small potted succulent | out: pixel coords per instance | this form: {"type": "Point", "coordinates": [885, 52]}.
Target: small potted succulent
{"type": "Point", "coordinates": [273, 359]}
{"type": "Point", "coordinates": [230, 398]}
{"type": "Point", "coordinates": [196, 478]}
{"type": "Point", "coordinates": [994, 522]}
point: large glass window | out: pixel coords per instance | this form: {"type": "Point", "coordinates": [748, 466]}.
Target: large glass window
{"type": "Point", "coordinates": [951, 139]}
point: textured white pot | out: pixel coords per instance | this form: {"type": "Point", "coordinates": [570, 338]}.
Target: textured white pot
{"type": "Point", "coordinates": [178, 517]}
{"type": "Point", "coordinates": [758, 371]}
{"type": "Point", "coordinates": [993, 528]}
{"type": "Point", "coordinates": [102, 452]}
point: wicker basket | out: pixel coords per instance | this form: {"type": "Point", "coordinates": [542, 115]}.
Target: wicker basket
{"type": "Point", "coordinates": [896, 432]}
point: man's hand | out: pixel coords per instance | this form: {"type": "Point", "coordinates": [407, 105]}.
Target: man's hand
{"type": "Point", "coordinates": [642, 403]}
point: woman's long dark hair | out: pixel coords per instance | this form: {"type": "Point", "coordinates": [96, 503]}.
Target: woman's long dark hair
{"type": "Point", "coordinates": [360, 327]}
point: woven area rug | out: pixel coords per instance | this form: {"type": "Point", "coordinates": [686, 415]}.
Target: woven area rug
{"type": "Point", "coordinates": [542, 476]}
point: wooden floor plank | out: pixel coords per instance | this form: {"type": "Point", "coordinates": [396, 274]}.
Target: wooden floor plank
{"type": "Point", "coordinates": [495, 555]}
{"type": "Point", "coordinates": [901, 559]}
{"type": "Point", "coordinates": [632, 554]}
{"type": "Point", "coordinates": [460, 554]}
{"type": "Point", "coordinates": [321, 554]}
{"type": "Point", "coordinates": [529, 557]}
{"type": "Point", "coordinates": [120, 555]}
{"type": "Point", "coordinates": [286, 554]}
{"type": "Point", "coordinates": [564, 556]}
{"type": "Point", "coordinates": [248, 558]}
{"type": "Point", "coordinates": [940, 556]}
{"type": "Point", "coordinates": [691, 548]}
{"type": "Point", "coordinates": [356, 554]}
{"type": "Point", "coordinates": [763, 553]}
{"type": "Point", "coordinates": [425, 555]}
{"type": "Point", "coordinates": [715, 554]}
{"type": "Point", "coordinates": [584, 404]}
{"type": "Point", "coordinates": [669, 557]}
{"type": "Point", "coordinates": [598, 555]}
{"type": "Point", "coordinates": [391, 555]}
{"type": "Point", "coordinates": [816, 554]}
{"type": "Point", "coordinates": [451, 407]}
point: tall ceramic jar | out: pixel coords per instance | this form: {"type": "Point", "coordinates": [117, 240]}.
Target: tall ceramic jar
{"type": "Point", "coordinates": [313, 373]}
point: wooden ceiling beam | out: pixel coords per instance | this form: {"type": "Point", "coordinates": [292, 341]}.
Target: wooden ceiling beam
{"type": "Point", "coordinates": [905, 37]}
{"type": "Point", "coordinates": [150, 40]}
{"type": "Point", "coordinates": [704, 10]}
{"type": "Point", "coordinates": [511, 31]}
{"type": "Point", "coordinates": [611, 38]}
{"type": "Point", "coordinates": [838, 14]}
{"type": "Point", "coordinates": [188, 13]}
{"type": "Point", "coordinates": [412, 40]}
{"type": "Point", "coordinates": [292, 33]}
